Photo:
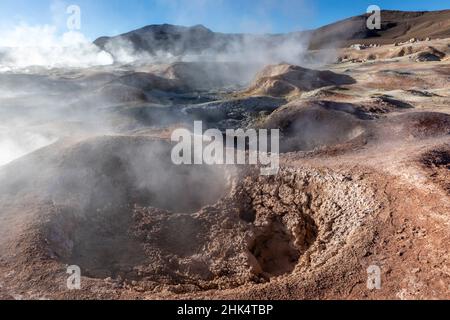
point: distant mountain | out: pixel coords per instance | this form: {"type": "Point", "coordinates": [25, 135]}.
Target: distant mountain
{"type": "Point", "coordinates": [168, 38]}
{"type": "Point", "coordinates": [177, 40]}
{"type": "Point", "coordinates": [397, 26]}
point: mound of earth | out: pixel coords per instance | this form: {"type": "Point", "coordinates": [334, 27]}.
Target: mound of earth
{"type": "Point", "coordinates": [308, 125]}
{"type": "Point", "coordinates": [415, 125]}
{"type": "Point", "coordinates": [284, 80]}
{"type": "Point", "coordinates": [425, 57]}
{"type": "Point", "coordinates": [148, 81]}
{"type": "Point", "coordinates": [394, 79]}
{"type": "Point", "coordinates": [437, 163]}
{"type": "Point", "coordinates": [234, 113]}
{"type": "Point", "coordinates": [95, 78]}
{"type": "Point", "coordinates": [204, 75]}
{"type": "Point", "coordinates": [334, 94]}
{"type": "Point", "coordinates": [425, 54]}
{"type": "Point", "coordinates": [421, 53]}
{"type": "Point", "coordinates": [119, 93]}
{"type": "Point", "coordinates": [402, 52]}
{"type": "Point", "coordinates": [384, 104]}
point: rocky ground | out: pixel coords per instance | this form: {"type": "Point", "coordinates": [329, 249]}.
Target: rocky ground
{"type": "Point", "coordinates": [364, 181]}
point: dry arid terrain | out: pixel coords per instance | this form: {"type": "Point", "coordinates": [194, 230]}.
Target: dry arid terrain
{"type": "Point", "coordinates": [364, 178]}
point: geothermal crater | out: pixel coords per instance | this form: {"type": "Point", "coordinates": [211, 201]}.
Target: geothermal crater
{"type": "Point", "coordinates": [250, 230]}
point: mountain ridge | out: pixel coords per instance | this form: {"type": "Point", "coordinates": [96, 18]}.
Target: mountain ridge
{"type": "Point", "coordinates": [397, 26]}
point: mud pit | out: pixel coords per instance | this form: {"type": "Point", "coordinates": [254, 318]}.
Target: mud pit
{"type": "Point", "coordinates": [275, 250]}
{"type": "Point", "coordinates": [259, 228]}
{"type": "Point", "coordinates": [94, 230]}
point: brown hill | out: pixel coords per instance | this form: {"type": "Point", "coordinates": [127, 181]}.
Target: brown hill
{"type": "Point", "coordinates": [397, 26]}
{"type": "Point", "coordinates": [285, 79]}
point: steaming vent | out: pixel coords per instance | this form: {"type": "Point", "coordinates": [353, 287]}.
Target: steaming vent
{"type": "Point", "coordinates": [115, 207]}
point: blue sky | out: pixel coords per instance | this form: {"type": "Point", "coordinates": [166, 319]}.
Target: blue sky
{"type": "Point", "coordinates": [109, 17]}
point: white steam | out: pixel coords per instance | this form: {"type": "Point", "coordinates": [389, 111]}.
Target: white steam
{"type": "Point", "coordinates": [38, 100]}
{"type": "Point", "coordinates": [26, 46]}
{"type": "Point", "coordinates": [17, 143]}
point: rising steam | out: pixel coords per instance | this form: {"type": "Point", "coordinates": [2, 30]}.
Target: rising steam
{"type": "Point", "coordinates": [36, 59]}
{"type": "Point", "coordinates": [27, 46]}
